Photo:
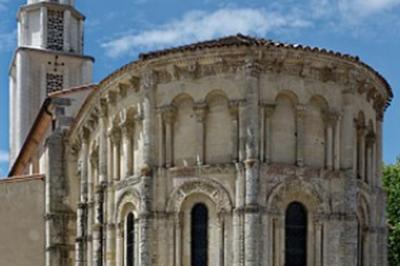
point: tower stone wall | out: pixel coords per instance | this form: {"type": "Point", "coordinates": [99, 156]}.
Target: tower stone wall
{"type": "Point", "coordinates": [49, 58]}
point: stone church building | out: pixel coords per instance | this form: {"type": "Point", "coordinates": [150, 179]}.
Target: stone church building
{"type": "Point", "coordinates": [235, 151]}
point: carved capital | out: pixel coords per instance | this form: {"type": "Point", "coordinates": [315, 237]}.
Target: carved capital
{"type": "Point", "coordinates": [269, 108]}
{"type": "Point", "coordinates": [168, 114]}
{"type": "Point", "coordinates": [330, 118]}
{"type": "Point", "coordinates": [115, 135]}
{"type": "Point", "coordinates": [252, 68]}
{"type": "Point", "coordinates": [234, 108]}
{"type": "Point", "coordinates": [111, 97]}
{"type": "Point", "coordinates": [201, 109]}
{"type": "Point", "coordinates": [135, 83]}
{"type": "Point", "coordinates": [301, 111]}
{"type": "Point", "coordinates": [123, 89]}
{"type": "Point", "coordinates": [371, 138]}
{"type": "Point", "coordinates": [148, 79]}
{"type": "Point", "coordinates": [84, 135]}
{"type": "Point", "coordinates": [103, 108]}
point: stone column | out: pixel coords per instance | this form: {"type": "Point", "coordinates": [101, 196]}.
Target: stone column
{"type": "Point", "coordinates": [242, 130]}
{"type": "Point", "coordinates": [233, 109]}
{"type": "Point", "coordinates": [115, 135]}
{"type": "Point", "coordinates": [80, 246]}
{"type": "Point", "coordinates": [127, 149]}
{"type": "Point", "coordinates": [330, 121]}
{"type": "Point", "coordinates": [347, 133]}
{"type": "Point", "coordinates": [110, 223]}
{"type": "Point", "coordinates": [300, 115]}
{"type": "Point", "coordinates": [97, 233]}
{"type": "Point", "coordinates": [169, 118]}
{"type": "Point", "coordinates": [200, 110]}
{"type": "Point", "coordinates": [269, 110]}
{"type": "Point", "coordinates": [337, 143]}
{"type": "Point", "coordinates": [148, 84]}
{"type": "Point", "coordinates": [252, 73]}
{"type": "Point", "coordinates": [370, 143]}
{"type": "Point", "coordinates": [379, 161]}
{"type": "Point", "coordinates": [361, 151]}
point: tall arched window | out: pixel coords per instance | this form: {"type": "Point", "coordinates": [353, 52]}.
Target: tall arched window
{"type": "Point", "coordinates": [199, 235]}
{"type": "Point", "coordinates": [296, 235]}
{"type": "Point", "coordinates": [360, 243]}
{"type": "Point", "coordinates": [130, 240]}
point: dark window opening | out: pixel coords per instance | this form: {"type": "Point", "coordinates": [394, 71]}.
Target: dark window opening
{"type": "Point", "coordinates": [296, 235]}
{"type": "Point", "coordinates": [130, 240]}
{"type": "Point", "coordinates": [199, 235]}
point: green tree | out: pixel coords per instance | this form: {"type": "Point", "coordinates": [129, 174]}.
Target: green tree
{"type": "Point", "coordinates": [391, 183]}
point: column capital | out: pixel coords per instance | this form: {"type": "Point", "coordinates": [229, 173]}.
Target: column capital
{"type": "Point", "coordinates": [115, 135]}
{"type": "Point", "coordinates": [168, 113]}
{"type": "Point", "coordinates": [370, 138]}
{"type": "Point", "coordinates": [269, 108]}
{"type": "Point", "coordinates": [252, 68]}
{"type": "Point", "coordinates": [103, 108]}
{"type": "Point", "coordinates": [84, 135]}
{"type": "Point", "coordinates": [148, 79]}
{"type": "Point", "coordinates": [331, 117]}
{"type": "Point", "coordinates": [201, 109]}
{"type": "Point", "coordinates": [301, 110]}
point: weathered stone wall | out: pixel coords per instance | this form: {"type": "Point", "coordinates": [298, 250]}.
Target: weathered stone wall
{"type": "Point", "coordinates": [22, 228]}
{"type": "Point", "coordinates": [244, 132]}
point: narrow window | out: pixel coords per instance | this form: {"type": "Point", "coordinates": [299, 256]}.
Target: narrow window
{"type": "Point", "coordinates": [130, 240]}
{"type": "Point", "coordinates": [296, 235]}
{"type": "Point", "coordinates": [360, 243]}
{"type": "Point", "coordinates": [199, 235]}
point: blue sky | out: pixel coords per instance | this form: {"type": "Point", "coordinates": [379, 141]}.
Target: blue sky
{"type": "Point", "coordinates": [116, 31]}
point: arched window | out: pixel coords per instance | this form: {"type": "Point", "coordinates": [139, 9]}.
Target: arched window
{"type": "Point", "coordinates": [296, 235]}
{"type": "Point", "coordinates": [360, 243]}
{"type": "Point", "coordinates": [199, 235]}
{"type": "Point", "coordinates": [130, 240]}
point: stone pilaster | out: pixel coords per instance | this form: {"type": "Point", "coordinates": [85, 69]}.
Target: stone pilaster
{"type": "Point", "coordinates": [348, 135]}
{"type": "Point", "coordinates": [80, 246]}
{"type": "Point", "coordinates": [233, 109]}
{"type": "Point", "coordinates": [252, 72]}
{"type": "Point", "coordinates": [57, 215]}
{"type": "Point", "coordinates": [148, 84]}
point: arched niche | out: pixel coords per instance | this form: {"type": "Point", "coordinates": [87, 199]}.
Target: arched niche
{"type": "Point", "coordinates": [277, 203]}
{"type": "Point", "coordinates": [314, 132]}
{"type": "Point", "coordinates": [184, 140]}
{"type": "Point", "coordinates": [218, 203]}
{"type": "Point", "coordinates": [283, 126]}
{"type": "Point", "coordinates": [364, 247]}
{"type": "Point", "coordinates": [218, 129]}
{"type": "Point", "coordinates": [127, 203]}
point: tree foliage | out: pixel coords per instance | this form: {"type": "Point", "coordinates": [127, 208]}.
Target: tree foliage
{"type": "Point", "coordinates": [391, 183]}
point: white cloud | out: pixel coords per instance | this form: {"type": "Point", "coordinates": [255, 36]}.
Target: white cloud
{"type": "Point", "coordinates": [3, 156]}
{"type": "Point", "coordinates": [198, 25]}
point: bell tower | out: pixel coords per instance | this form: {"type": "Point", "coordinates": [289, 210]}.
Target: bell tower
{"type": "Point", "coordinates": [49, 58]}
